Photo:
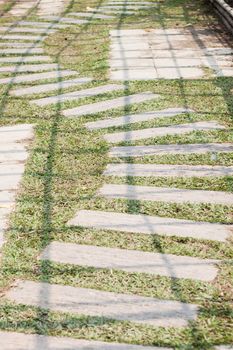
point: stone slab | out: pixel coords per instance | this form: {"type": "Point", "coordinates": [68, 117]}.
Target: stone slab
{"type": "Point", "coordinates": [136, 118]}
{"type": "Point", "coordinates": [162, 131]}
{"type": "Point", "coordinates": [12, 152]}
{"type": "Point", "coordinates": [26, 30]}
{"type": "Point", "coordinates": [75, 95]}
{"type": "Point", "coordinates": [29, 68]}
{"type": "Point", "coordinates": [134, 74]}
{"type": "Point", "coordinates": [10, 176]}
{"type": "Point", "coordinates": [92, 302]}
{"type": "Point", "coordinates": [114, 12]}
{"type": "Point", "coordinates": [33, 38]}
{"type": "Point", "coordinates": [20, 341]}
{"type": "Point", "coordinates": [146, 224]}
{"type": "Point", "coordinates": [43, 24]}
{"type": "Point", "coordinates": [6, 201]}
{"type": "Point", "coordinates": [66, 20]}
{"type": "Point", "coordinates": [131, 261]}
{"type": "Point", "coordinates": [132, 63]}
{"type": "Point", "coordinates": [129, 46]}
{"type": "Point", "coordinates": [50, 87]}
{"type": "Point", "coordinates": [19, 45]}
{"type": "Point", "coordinates": [140, 151]}
{"type": "Point", "coordinates": [165, 170]}
{"type": "Point", "coordinates": [15, 133]}
{"type": "Point", "coordinates": [28, 51]}
{"type": "Point", "coordinates": [165, 194]}
{"type": "Point", "coordinates": [38, 76]}
{"type": "Point", "coordinates": [22, 59]}
{"type": "Point", "coordinates": [110, 104]}
{"type": "Point", "coordinates": [89, 14]}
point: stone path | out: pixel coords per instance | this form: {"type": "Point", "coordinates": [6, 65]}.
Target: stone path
{"type": "Point", "coordinates": [41, 7]}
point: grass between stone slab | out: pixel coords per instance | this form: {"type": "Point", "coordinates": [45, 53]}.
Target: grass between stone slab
{"type": "Point", "coordinates": [64, 172]}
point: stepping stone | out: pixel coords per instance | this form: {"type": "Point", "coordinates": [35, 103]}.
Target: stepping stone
{"type": "Point", "coordinates": [89, 14]}
{"type": "Point", "coordinates": [38, 76]}
{"type": "Point", "coordinates": [66, 20]}
{"type": "Point", "coordinates": [131, 261]}
{"type": "Point", "coordinates": [165, 194]}
{"type": "Point", "coordinates": [50, 87]}
{"type": "Point", "coordinates": [115, 12]}
{"type": "Point", "coordinates": [28, 51]}
{"type": "Point", "coordinates": [33, 38]}
{"type": "Point", "coordinates": [12, 152]}
{"type": "Point", "coordinates": [6, 201]}
{"type": "Point", "coordinates": [102, 106]}
{"type": "Point", "coordinates": [20, 341]}
{"type": "Point", "coordinates": [43, 24]}
{"type": "Point", "coordinates": [128, 169]}
{"type": "Point", "coordinates": [78, 94]}
{"type": "Point", "coordinates": [10, 176]}
{"type": "Point", "coordinates": [26, 30]}
{"type": "Point", "coordinates": [22, 59]}
{"type": "Point", "coordinates": [30, 68]}
{"type": "Point", "coordinates": [123, 307]}
{"type": "Point", "coordinates": [15, 133]}
{"type": "Point", "coordinates": [136, 118]}
{"type": "Point", "coordinates": [161, 131]}
{"type": "Point", "coordinates": [128, 7]}
{"type": "Point", "coordinates": [224, 347]}
{"type": "Point", "coordinates": [19, 45]}
{"type": "Point", "coordinates": [134, 74]}
{"type": "Point", "coordinates": [140, 151]}
{"type": "Point", "coordinates": [149, 225]}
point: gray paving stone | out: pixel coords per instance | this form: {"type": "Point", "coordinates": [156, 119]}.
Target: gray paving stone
{"type": "Point", "coordinates": [134, 74]}
{"type": "Point", "coordinates": [113, 12]}
{"type": "Point", "coordinates": [15, 133]}
{"type": "Point", "coordinates": [12, 152]}
{"type": "Point", "coordinates": [165, 194]}
{"type": "Point", "coordinates": [89, 14]}
{"type": "Point", "coordinates": [132, 63]}
{"type": "Point", "coordinates": [43, 24]}
{"type": "Point", "coordinates": [66, 20]}
{"type": "Point", "coordinates": [20, 341]}
{"type": "Point", "coordinates": [6, 201]}
{"type": "Point", "coordinates": [19, 45]}
{"type": "Point", "coordinates": [140, 151]}
{"type": "Point", "coordinates": [18, 68]}
{"type": "Point", "coordinates": [224, 347]}
{"type": "Point", "coordinates": [92, 302]}
{"type": "Point", "coordinates": [161, 131]}
{"type": "Point", "coordinates": [33, 38]}
{"type": "Point", "coordinates": [26, 30]}
{"type": "Point", "coordinates": [75, 95]}
{"type": "Point", "coordinates": [50, 87]}
{"type": "Point", "coordinates": [28, 51]}
{"type": "Point", "coordinates": [109, 104]}
{"type": "Point", "coordinates": [130, 46]}
{"type": "Point", "coordinates": [136, 118]}
{"type": "Point", "coordinates": [151, 225]}
{"type": "Point", "coordinates": [165, 170]}
{"type": "Point", "coordinates": [10, 176]}
{"type": "Point", "coordinates": [127, 7]}
{"type": "Point", "coordinates": [131, 261]}
{"type": "Point", "coordinates": [38, 76]}
{"type": "Point", "coordinates": [22, 59]}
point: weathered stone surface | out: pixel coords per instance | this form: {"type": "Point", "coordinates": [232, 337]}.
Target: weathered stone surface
{"type": "Point", "coordinates": [136, 118]}
{"type": "Point", "coordinates": [43, 24]}
{"type": "Point", "coordinates": [109, 104]}
{"type": "Point", "coordinates": [22, 59]}
{"type": "Point", "coordinates": [130, 169]}
{"type": "Point", "coordinates": [92, 302]}
{"type": "Point", "coordinates": [38, 76]}
{"type": "Point", "coordinates": [75, 95]}
{"type": "Point", "coordinates": [33, 38]}
{"type": "Point", "coordinates": [164, 194]}
{"type": "Point", "coordinates": [29, 68]}
{"type": "Point", "coordinates": [134, 74]}
{"type": "Point", "coordinates": [28, 51]}
{"type": "Point", "coordinates": [19, 45]}
{"type": "Point", "coordinates": [131, 261]}
{"type": "Point", "coordinates": [161, 131]}
{"type": "Point", "coordinates": [224, 347]}
{"type": "Point", "coordinates": [151, 225]}
{"type": "Point", "coordinates": [90, 14]}
{"type": "Point", "coordinates": [20, 341]}
{"type": "Point", "coordinates": [139, 151]}
{"type": "Point", "coordinates": [66, 20]}
{"type": "Point", "coordinates": [12, 152]}
{"type": "Point", "coordinates": [10, 176]}
{"type": "Point", "coordinates": [50, 87]}
{"type": "Point", "coordinates": [26, 30]}
{"type": "Point", "coordinates": [15, 133]}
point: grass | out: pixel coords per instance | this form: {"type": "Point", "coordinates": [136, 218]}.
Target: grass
{"type": "Point", "coordinates": [64, 172]}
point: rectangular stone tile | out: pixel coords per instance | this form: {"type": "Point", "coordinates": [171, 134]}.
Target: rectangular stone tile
{"type": "Point", "coordinates": [75, 95]}
{"type": "Point", "coordinates": [26, 30]}
{"type": "Point", "coordinates": [28, 51]}
{"type": "Point", "coordinates": [102, 106]}
{"type": "Point", "coordinates": [136, 118]}
{"type": "Point", "coordinates": [10, 176]}
{"type": "Point", "coordinates": [18, 68]}
{"type": "Point", "coordinates": [19, 44]}
{"type": "Point", "coordinates": [38, 76]}
{"type": "Point", "coordinates": [140, 151]}
{"type": "Point", "coordinates": [114, 12]}
{"type": "Point", "coordinates": [131, 261]}
{"type": "Point", "coordinates": [66, 20]}
{"type": "Point", "coordinates": [33, 38]}
{"type": "Point", "coordinates": [15, 133]}
{"type": "Point", "coordinates": [22, 59]}
{"type": "Point", "coordinates": [165, 170]}
{"type": "Point", "coordinates": [93, 302]}
{"type": "Point", "coordinates": [12, 152]}
{"type": "Point", "coordinates": [161, 131]}
{"type": "Point", "coordinates": [90, 14]}
{"type": "Point", "coordinates": [6, 201]}
{"type": "Point", "coordinates": [50, 87]}
{"type": "Point", "coordinates": [132, 63]}
{"type": "Point", "coordinates": [43, 24]}
{"type": "Point", "coordinates": [151, 225]}
{"type": "Point", "coordinates": [20, 341]}
{"type": "Point", "coordinates": [134, 74]}
{"type": "Point", "coordinates": [130, 46]}
{"type": "Point", "coordinates": [165, 194]}
{"type": "Point", "coordinates": [180, 72]}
